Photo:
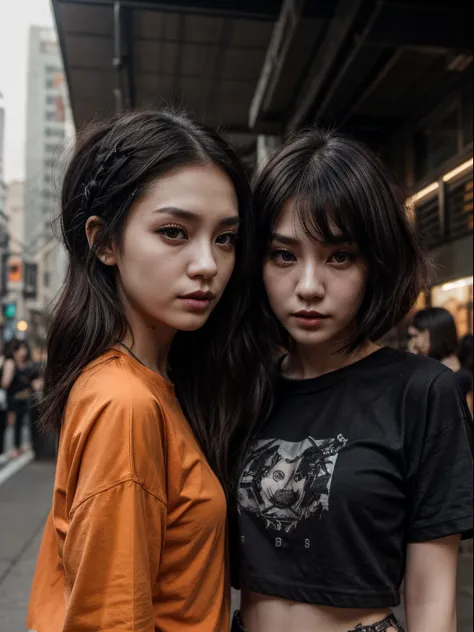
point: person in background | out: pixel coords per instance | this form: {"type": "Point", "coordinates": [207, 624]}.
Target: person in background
{"type": "Point", "coordinates": [433, 333]}
{"type": "Point", "coordinates": [16, 382]}
{"type": "Point", "coordinates": [465, 352]}
{"type": "Point", "coordinates": [3, 412]}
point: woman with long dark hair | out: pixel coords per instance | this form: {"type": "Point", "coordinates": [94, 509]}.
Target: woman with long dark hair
{"type": "Point", "coordinates": [16, 381]}
{"type": "Point", "coordinates": [362, 474]}
{"type": "Point", "coordinates": [152, 319]}
{"type": "Point", "coordinates": [433, 333]}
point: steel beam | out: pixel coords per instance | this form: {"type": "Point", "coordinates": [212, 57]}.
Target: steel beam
{"type": "Point", "coordinates": [266, 10]}
{"type": "Point", "coordinates": [337, 33]}
{"type": "Point", "coordinates": [382, 73]}
{"type": "Point", "coordinates": [283, 35]}
{"type": "Point", "coordinates": [359, 43]}
{"type": "Point", "coordinates": [431, 29]}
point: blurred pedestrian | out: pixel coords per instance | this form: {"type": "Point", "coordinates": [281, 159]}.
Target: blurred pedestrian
{"type": "Point", "coordinates": [3, 411]}
{"type": "Point", "coordinates": [16, 382]}
{"type": "Point", "coordinates": [433, 333]}
{"type": "Point", "coordinates": [156, 290]}
{"type": "Point", "coordinates": [465, 352]}
{"type": "Point", "coordinates": [361, 476]}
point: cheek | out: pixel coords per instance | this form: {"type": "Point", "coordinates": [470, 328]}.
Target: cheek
{"type": "Point", "coordinates": [277, 287]}
{"type": "Point", "coordinates": [351, 291]}
{"type": "Point", "coordinates": [225, 266]}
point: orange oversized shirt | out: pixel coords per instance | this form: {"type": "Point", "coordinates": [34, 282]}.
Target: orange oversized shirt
{"type": "Point", "coordinates": [136, 539]}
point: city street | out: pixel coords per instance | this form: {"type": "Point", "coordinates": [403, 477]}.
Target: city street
{"type": "Point", "coordinates": [24, 503]}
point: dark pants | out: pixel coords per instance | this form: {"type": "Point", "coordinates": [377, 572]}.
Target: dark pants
{"type": "Point", "coordinates": [381, 626]}
{"type": "Point", "coordinates": [20, 409]}
{"type": "Point", "coordinates": [3, 426]}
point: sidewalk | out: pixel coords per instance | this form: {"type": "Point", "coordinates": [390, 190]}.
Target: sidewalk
{"type": "Point", "coordinates": [24, 504]}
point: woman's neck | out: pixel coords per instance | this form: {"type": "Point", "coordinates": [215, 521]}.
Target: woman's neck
{"type": "Point", "coordinates": [150, 344]}
{"type": "Point", "coordinates": [452, 362]}
{"type": "Point", "coordinates": [305, 362]}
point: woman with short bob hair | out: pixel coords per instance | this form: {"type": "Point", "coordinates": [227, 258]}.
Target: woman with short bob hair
{"type": "Point", "coordinates": [361, 476]}
{"type": "Point", "coordinates": [152, 322]}
{"type": "Point", "coordinates": [433, 333]}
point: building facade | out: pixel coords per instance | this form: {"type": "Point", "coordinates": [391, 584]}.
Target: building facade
{"type": "Point", "coordinates": [3, 218]}
{"type": "Point", "coordinates": [48, 128]}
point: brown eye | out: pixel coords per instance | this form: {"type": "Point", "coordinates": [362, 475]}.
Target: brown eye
{"type": "Point", "coordinates": [172, 232]}
{"type": "Point", "coordinates": [227, 239]}
{"type": "Point", "coordinates": [282, 256]}
{"type": "Point", "coordinates": [342, 258]}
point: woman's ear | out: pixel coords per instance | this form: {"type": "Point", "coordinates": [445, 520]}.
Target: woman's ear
{"type": "Point", "coordinates": [105, 253]}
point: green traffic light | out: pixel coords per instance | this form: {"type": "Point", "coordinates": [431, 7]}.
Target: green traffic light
{"type": "Point", "coordinates": [9, 310]}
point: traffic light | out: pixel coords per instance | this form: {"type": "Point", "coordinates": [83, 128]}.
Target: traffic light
{"type": "Point", "coordinates": [9, 311]}
{"type": "Point", "coordinates": [15, 269]}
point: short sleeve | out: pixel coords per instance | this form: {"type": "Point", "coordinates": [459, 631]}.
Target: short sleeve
{"type": "Point", "coordinates": [440, 490]}
{"type": "Point", "coordinates": [111, 556]}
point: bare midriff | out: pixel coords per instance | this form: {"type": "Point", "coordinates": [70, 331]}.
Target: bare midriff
{"type": "Point", "coordinates": [261, 613]}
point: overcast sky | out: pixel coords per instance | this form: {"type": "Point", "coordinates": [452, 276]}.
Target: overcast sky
{"type": "Point", "coordinates": [15, 20]}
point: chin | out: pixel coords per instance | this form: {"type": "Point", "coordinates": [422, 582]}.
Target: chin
{"type": "Point", "coordinates": [191, 322]}
{"type": "Point", "coordinates": [316, 337]}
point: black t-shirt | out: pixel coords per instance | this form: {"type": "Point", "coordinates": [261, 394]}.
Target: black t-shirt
{"type": "Point", "coordinates": [351, 467]}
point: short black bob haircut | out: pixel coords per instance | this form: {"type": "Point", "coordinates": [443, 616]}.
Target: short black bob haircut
{"type": "Point", "coordinates": [442, 329]}
{"type": "Point", "coordinates": [341, 189]}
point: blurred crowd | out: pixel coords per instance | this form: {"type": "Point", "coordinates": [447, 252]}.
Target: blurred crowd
{"type": "Point", "coordinates": [21, 388]}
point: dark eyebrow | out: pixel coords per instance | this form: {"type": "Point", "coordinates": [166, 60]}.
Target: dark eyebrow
{"type": "Point", "coordinates": [284, 239]}
{"type": "Point", "coordinates": [193, 217]}
{"type": "Point", "coordinates": [336, 240]}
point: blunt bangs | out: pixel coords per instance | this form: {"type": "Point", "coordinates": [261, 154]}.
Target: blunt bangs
{"type": "Point", "coordinates": [343, 193]}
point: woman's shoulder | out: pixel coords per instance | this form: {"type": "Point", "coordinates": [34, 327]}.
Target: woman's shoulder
{"type": "Point", "coordinates": [113, 422]}
{"type": "Point", "coordinates": [420, 370]}
{"type": "Point", "coordinates": [113, 406]}
{"type": "Point", "coordinates": [110, 379]}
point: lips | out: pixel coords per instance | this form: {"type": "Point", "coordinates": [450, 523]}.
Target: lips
{"type": "Point", "coordinates": [200, 295]}
{"type": "Point", "coordinates": [197, 301]}
{"type": "Point", "coordinates": [309, 319]}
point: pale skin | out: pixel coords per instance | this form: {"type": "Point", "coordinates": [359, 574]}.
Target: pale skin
{"type": "Point", "coordinates": [301, 273]}
{"type": "Point", "coordinates": [179, 238]}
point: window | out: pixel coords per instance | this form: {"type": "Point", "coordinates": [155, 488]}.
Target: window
{"type": "Point", "coordinates": [52, 149]}
{"type": "Point", "coordinates": [50, 116]}
{"type": "Point", "coordinates": [51, 69]}
{"type": "Point", "coordinates": [54, 131]}
{"type": "Point", "coordinates": [49, 83]}
{"type": "Point", "coordinates": [50, 99]}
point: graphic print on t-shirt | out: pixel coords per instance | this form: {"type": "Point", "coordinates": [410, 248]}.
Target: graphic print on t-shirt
{"type": "Point", "coordinates": [285, 482]}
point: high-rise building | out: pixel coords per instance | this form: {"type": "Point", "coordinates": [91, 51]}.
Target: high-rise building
{"type": "Point", "coordinates": [15, 211]}
{"type": "Point", "coordinates": [2, 183]}
{"type": "Point", "coordinates": [48, 126]}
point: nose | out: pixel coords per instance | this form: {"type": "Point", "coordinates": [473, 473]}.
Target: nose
{"type": "Point", "coordinates": [203, 263]}
{"type": "Point", "coordinates": [311, 283]}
